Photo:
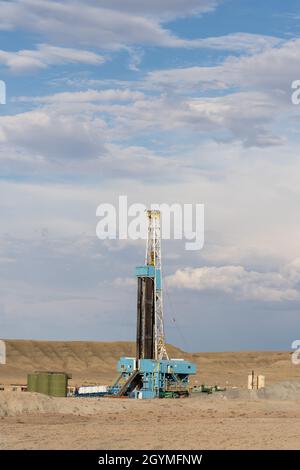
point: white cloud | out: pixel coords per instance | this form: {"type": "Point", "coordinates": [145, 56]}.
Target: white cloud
{"type": "Point", "coordinates": [242, 283]}
{"type": "Point", "coordinates": [250, 195]}
{"type": "Point", "coordinates": [246, 115]}
{"type": "Point", "coordinates": [85, 96]}
{"type": "Point", "coordinates": [247, 42]}
{"type": "Point", "coordinates": [256, 95]}
{"type": "Point", "coordinates": [243, 116]}
{"type": "Point", "coordinates": [120, 24]}
{"type": "Point", "coordinates": [82, 125]}
{"type": "Point", "coordinates": [166, 9]}
{"type": "Point", "coordinates": [251, 214]}
{"type": "Point", "coordinates": [124, 282]}
{"type": "Point", "coordinates": [48, 134]}
{"type": "Point", "coordinates": [75, 140]}
{"type": "Point", "coordinates": [271, 70]}
{"type": "Point", "coordinates": [95, 25]}
{"type": "Point", "coordinates": [140, 163]}
{"type": "Point", "coordinates": [46, 55]}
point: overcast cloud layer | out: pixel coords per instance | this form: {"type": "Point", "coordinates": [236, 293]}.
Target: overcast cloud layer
{"type": "Point", "coordinates": [163, 101]}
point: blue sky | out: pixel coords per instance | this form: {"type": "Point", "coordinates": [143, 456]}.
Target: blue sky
{"type": "Point", "coordinates": [184, 101]}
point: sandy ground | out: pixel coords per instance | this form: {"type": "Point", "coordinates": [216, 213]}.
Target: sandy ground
{"type": "Point", "coordinates": [32, 421]}
{"type": "Point", "coordinates": [235, 419]}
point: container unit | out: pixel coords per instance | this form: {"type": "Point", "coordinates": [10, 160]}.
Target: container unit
{"type": "Point", "coordinates": [43, 383]}
{"type": "Point", "coordinates": [92, 391]}
{"type": "Point", "coordinates": [54, 384]}
{"type": "Point", "coordinates": [58, 384]}
{"type": "Point", "coordinates": [32, 382]}
{"type": "Point", "coordinates": [255, 382]}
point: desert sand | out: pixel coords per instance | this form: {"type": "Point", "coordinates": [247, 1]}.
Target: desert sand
{"type": "Point", "coordinates": [95, 362]}
{"type": "Point", "coordinates": [32, 421]}
{"type": "Point", "coordinates": [235, 419]}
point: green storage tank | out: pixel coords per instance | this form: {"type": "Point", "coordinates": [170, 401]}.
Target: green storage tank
{"type": "Point", "coordinates": [43, 379]}
{"type": "Point", "coordinates": [32, 380]}
{"type": "Point", "coordinates": [58, 384]}
{"type": "Point", "coordinates": [50, 383]}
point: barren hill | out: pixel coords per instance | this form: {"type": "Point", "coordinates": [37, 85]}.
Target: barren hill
{"type": "Point", "coordinates": [95, 362]}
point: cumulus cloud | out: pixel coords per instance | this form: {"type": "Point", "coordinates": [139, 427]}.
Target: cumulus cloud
{"type": "Point", "coordinates": [75, 140]}
{"type": "Point", "coordinates": [120, 24]}
{"type": "Point", "coordinates": [243, 116]}
{"type": "Point", "coordinates": [246, 42]}
{"type": "Point", "coordinates": [95, 24]}
{"type": "Point", "coordinates": [255, 94]}
{"type": "Point", "coordinates": [80, 126]}
{"type": "Point", "coordinates": [242, 283]}
{"type": "Point", "coordinates": [55, 136]}
{"type": "Point", "coordinates": [46, 55]}
{"type": "Point", "coordinates": [93, 118]}
{"type": "Point", "coordinates": [271, 70]}
{"type": "Point", "coordinates": [247, 114]}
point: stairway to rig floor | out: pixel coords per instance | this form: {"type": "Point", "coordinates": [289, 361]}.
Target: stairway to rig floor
{"type": "Point", "coordinates": [131, 383]}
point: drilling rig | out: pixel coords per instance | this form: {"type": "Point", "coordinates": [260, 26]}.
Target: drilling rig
{"type": "Point", "coordinates": [151, 374]}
